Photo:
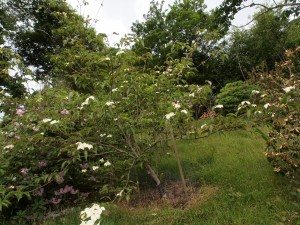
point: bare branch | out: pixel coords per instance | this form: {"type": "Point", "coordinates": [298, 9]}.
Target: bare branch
{"type": "Point", "coordinates": [268, 9]}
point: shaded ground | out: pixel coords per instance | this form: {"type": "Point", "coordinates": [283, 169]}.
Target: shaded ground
{"type": "Point", "coordinates": [149, 198]}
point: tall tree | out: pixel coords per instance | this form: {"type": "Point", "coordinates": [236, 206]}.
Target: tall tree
{"type": "Point", "coordinates": [186, 21]}
{"type": "Point", "coordinates": [57, 42]}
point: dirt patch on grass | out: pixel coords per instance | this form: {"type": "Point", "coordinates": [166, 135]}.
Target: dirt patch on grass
{"type": "Point", "coordinates": [149, 198]}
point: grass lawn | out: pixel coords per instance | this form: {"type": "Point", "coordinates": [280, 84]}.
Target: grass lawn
{"type": "Point", "coordinates": [236, 185]}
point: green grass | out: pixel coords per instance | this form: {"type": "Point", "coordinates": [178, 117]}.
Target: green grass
{"type": "Point", "coordinates": [237, 186]}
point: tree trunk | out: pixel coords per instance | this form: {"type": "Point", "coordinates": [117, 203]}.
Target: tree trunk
{"type": "Point", "coordinates": [157, 181]}
{"type": "Point", "coordinates": [178, 161]}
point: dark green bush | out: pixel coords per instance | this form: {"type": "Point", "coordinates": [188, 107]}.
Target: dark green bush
{"type": "Point", "coordinates": [233, 94]}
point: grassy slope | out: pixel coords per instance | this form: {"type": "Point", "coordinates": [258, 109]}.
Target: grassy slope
{"type": "Point", "coordinates": [237, 186]}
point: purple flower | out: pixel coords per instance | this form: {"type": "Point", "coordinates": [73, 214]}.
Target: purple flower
{"type": "Point", "coordinates": [59, 191]}
{"type": "Point", "coordinates": [42, 164]}
{"type": "Point", "coordinates": [24, 171]}
{"type": "Point", "coordinates": [74, 192]}
{"type": "Point", "coordinates": [55, 200]}
{"type": "Point", "coordinates": [64, 112]}
{"type": "Point", "coordinates": [20, 112]}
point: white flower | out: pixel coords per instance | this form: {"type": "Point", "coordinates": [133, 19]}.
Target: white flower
{"type": "Point", "coordinates": [8, 147]}
{"type": "Point", "coordinates": [83, 170]}
{"type": "Point", "coordinates": [95, 168]}
{"type": "Point", "coordinates": [107, 163]}
{"type": "Point", "coordinates": [288, 89]}
{"type": "Point", "coordinates": [120, 52]}
{"type": "Point", "coordinates": [82, 146]}
{"type": "Point", "coordinates": [109, 136]}
{"type": "Point", "coordinates": [218, 107]}
{"type": "Point", "coordinates": [192, 95]}
{"type": "Point", "coordinates": [176, 105]}
{"type": "Point", "coordinates": [107, 59]}
{"type": "Point", "coordinates": [169, 115]}
{"type": "Point", "coordinates": [109, 103]}
{"type": "Point", "coordinates": [101, 160]}
{"type": "Point", "coordinates": [267, 105]}
{"type": "Point", "coordinates": [93, 214]}
{"type": "Point", "coordinates": [257, 112]}
{"type": "Point", "coordinates": [184, 111]}
{"type": "Point", "coordinates": [245, 102]}
{"type": "Point", "coordinates": [54, 121]}
{"type": "Point", "coordinates": [86, 102]}
{"type": "Point", "coordinates": [120, 193]}
{"type": "Point", "coordinates": [203, 126]}
{"type": "Point", "coordinates": [115, 119]}
{"type": "Point", "coordinates": [46, 120]}
{"type": "Point", "coordinates": [264, 95]}
{"type": "Point", "coordinates": [114, 90]}
{"type": "Point", "coordinates": [255, 92]}
{"type": "Point", "coordinates": [102, 135]}
{"type": "Point", "coordinates": [253, 105]}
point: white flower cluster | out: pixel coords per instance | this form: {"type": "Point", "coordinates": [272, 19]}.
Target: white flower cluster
{"type": "Point", "coordinates": [8, 147]}
{"type": "Point", "coordinates": [107, 163]}
{"type": "Point", "coordinates": [288, 89]}
{"type": "Point", "coordinates": [255, 92]}
{"type": "Point", "coordinates": [176, 105]}
{"type": "Point", "coordinates": [86, 102]}
{"type": "Point", "coordinates": [169, 115]}
{"type": "Point", "coordinates": [218, 107]}
{"type": "Point", "coordinates": [109, 103]}
{"type": "Point", "coordinates": [245, 104]}
{"type": "Point", "coordinates": [91, 216]}
{"type": "Point", "coordinates": [82, 146]}
{"type": "Point", "coordinates": [46, 120]}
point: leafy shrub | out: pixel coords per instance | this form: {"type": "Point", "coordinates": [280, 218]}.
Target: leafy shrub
{"type": "Point", "coordinates": [61, 145]}
{"type": "Point", "coordinates": [282, 106]}
{"type": "Point", "coordinates": [233, 94]}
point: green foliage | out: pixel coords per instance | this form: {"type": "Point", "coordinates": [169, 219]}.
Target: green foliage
{"type": "Point", "coordinates": [233, 94]}
{"type": "Point", "coordinates": [48, 28]}
{"type": "Point", "coordinates": [11, 85]}
{"type": "Point", "coordinates": [185, 22]}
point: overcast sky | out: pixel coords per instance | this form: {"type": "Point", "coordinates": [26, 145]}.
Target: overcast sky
{"type": "Point", "coordinates": [118, 15]}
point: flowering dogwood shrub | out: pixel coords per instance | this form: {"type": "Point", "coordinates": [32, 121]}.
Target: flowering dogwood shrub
{"type": "Point", "coordinates": [62, 146]}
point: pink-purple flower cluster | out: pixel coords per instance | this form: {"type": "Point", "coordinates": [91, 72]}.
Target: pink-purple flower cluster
{"type": "Point", "coordinates": [55, 200]}
{"type": "Point", "coordinates": [42, 164]}
{"type": "Point", "coordinates": [24, 171]}
{"type": "Point", "coordinates": [20, 111]}
{"type": "Point", "coordinates": [65, 190]}
{"type": "Point", "coordinates": [64, 112]}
